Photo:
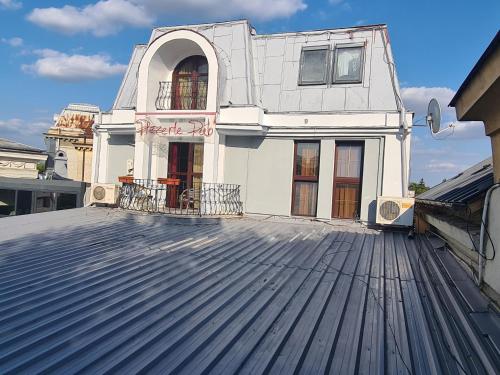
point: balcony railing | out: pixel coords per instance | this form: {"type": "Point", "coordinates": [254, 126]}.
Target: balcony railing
{"type": "Point", "coordinates": [178, 198]}
{"type": "Point", "coordinates": [182, 95]}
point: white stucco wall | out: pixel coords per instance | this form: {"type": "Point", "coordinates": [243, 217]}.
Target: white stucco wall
{"type": "Point", "coordinates": [264, 169]}
{"type": "Point", "coordinates": [392, 174]}
{"type": "Point", "coordinates": [120, 149]}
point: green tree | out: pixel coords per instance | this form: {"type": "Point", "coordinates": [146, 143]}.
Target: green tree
{"type": "Point", "coordinates": [419, 187]}
{"type": "Point", "coordinates": [41, 167]}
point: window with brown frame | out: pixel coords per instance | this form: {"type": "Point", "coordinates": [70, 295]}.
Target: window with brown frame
{"type": "Point", "coordinates": [305, 178]}
{"type": "Point", "coordinates": [347, 180]}
{"type": "Point", "coordinates": [190, 83]}
{"type": "Point", "coordinates": [185, 163]}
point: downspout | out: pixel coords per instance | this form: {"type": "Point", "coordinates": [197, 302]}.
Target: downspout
{"type": "Point", "coordinates": [96, 154]}
{"type": "Point", "coordinates": [404, 168]}
{"type": "Point", "coordinates": [402, 114]}
{"type": "Point", "coordinates": [482, 245]}
{"type": "Point", "coordinates": [83, 158]}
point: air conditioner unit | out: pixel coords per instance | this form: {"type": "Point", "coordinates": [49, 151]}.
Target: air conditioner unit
{"type": "Point", "coordinates": [395, 211]}
{"type": "Point", "coordinates": [104, 193]}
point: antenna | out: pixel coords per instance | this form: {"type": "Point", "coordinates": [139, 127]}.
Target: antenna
{"type": "Point", "coordinates": [434, 116]}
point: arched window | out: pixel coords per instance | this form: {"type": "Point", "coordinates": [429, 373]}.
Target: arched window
{"type": "Point", "coordinates": [189, 84]}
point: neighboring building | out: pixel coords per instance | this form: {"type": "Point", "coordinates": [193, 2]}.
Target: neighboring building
{"type": "Point", "coordinates": [478, 98]}
{"type": "Point", "coordinates": [18, 160]}
{"type": "Point", "coordinates": [454, 209]}
{"type": "Point", "coordinates": [29, 196]}
{"type": "Point", "coordinates": [21, 189]}
{"type": "Point", "coordinates": [70, 143]}
{"type": "Point", "coordinates": [308, 123]}
{"type": "Point", "coordinates": [476, 190]}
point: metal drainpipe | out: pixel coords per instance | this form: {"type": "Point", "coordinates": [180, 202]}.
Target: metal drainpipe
{"type": "Point", "coordinates": [404, 169]}
{"type": "Point", "coordinates": [482, 250]}
{"type": "Point", "coordinates": [402, 116]}
{"type": "Point", "coordinates": [83, 161]}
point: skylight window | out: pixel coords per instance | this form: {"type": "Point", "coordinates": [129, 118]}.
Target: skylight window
{"type": "Point", "coordinates": [313, 66]}
{"type": "Point", "coordinates": [348, 65]}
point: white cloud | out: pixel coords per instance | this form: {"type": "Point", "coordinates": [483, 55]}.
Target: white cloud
{"type": "Point", "coordinates": [262, 10]}
{"type": "Point", "coordinates": [417, 99]}
{"type": "Point", "coordinates": [465, 129]}
{"type": "Point", "coordinates": [443, 166]}
{"type": "Point", "coordinates": [13, 42]}
{"type": "Point", "coordinates": [16, 127]}
{"type": "Point", "coordinates": [344, 5]}
{"type": "Point", "coordinates": [102, 18]}
{"type": "Point", "coordinates": [10, 4]}
{"type": "Point", "coordinates": [70, 68]}
{"type": "Point", "coordinates": [108, 17]}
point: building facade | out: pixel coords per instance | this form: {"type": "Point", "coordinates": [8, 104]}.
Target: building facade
{"type": "Point", "coordinates": [477, 100]}
{"type": "Point", "coordinates": [70, 142]}
{"type": "Point", "coordinates": [307, 123]}
{"type": "Point", "coordinates": [18, 160]}
{"type": "Point", "coordinates": [23, 191]}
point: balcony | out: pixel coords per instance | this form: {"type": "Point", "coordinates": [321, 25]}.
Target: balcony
{"type": "Point", "coordinates": [173, 196]}
{"type": "Point", "coordinates": [185, 94]}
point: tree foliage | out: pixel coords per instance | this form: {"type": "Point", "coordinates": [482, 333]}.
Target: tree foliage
{"type": "Point", "coordinates": [419, 187]}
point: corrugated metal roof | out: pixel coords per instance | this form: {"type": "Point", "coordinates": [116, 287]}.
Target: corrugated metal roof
{"type": "Point", "coordinates": [464, 187]}
{"type": "Point", "coordinates": [97, 290]}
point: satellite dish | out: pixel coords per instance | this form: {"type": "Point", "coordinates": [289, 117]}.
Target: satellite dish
{"type": "Point", "coordinates": [434, 116]}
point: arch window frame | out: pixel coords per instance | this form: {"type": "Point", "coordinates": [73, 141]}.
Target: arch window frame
{"type": "Point", "coordinates": [189, 89]}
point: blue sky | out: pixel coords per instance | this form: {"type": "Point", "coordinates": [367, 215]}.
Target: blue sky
{"type": "Point", "coordinates": [56, 52]}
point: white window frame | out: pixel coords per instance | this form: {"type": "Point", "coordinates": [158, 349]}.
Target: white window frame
{"type": "Point", "coordinates": [337, 81]}
{"type": "Point", "coordinates": [327, 65]}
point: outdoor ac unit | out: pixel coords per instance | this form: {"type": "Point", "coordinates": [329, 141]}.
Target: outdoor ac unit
{"type": "Point", "coordinates": [104, 193]}
{"type": "Point", "coordinates": [395, 211]}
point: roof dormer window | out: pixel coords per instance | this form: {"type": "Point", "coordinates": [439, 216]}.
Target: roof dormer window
{"type": "Point", "coordinates": [314, 65]}
{"type": "Point", "coordinates": [348, 64]}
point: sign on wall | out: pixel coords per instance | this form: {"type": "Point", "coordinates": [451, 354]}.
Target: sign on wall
{"type": "Point", "coordinates": [171, 127]}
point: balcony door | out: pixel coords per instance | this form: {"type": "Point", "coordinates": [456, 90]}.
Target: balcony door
{"type": "Point", "coordinates": [347, 180]}
{"type": "Point", "coordinates": [190, 83]}
{"type": "Point", "coordinates": [185, 162]}
{"type": "Point", "coordinates": [305, 178]}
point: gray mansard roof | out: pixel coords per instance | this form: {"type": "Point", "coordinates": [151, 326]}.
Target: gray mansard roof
{"type": "Point", "coordinates": [263, 70]}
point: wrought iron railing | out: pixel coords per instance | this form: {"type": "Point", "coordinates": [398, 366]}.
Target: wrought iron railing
{"type": "Point", "coordinates": [179, 95]}
{"type": "Point", "coordinates": [178, 198]}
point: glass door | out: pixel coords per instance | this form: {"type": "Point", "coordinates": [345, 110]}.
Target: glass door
{"type": "Point", "coordinates": [347, 180]}
{"type": "Point", "coordinates": [185, 163]}
{"type": "Point", "coordinates": [305, 178]}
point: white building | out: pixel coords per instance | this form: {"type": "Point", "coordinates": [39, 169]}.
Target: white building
{"type": "Point", "coordinates": [18, 160]}
{"type": "Point", "coordinates": [308, 123]}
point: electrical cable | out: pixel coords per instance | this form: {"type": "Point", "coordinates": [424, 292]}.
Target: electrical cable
{"type": "Point", "coordinates": [484, 256]}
